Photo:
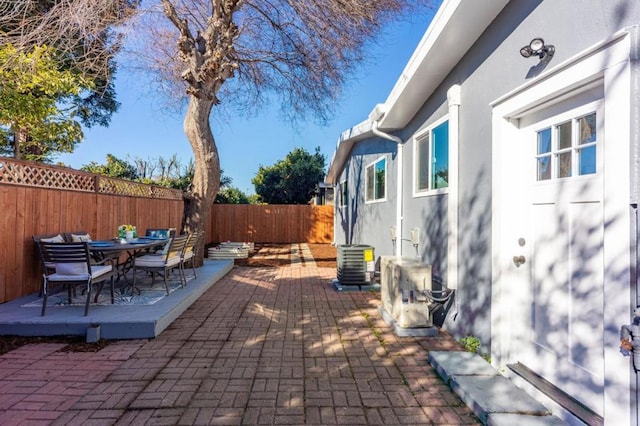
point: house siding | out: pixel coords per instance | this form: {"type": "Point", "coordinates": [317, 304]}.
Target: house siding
{"type": "Point", "coordinates": [359, 222]}
{"type": "Point", "coordinates": [489, 70]}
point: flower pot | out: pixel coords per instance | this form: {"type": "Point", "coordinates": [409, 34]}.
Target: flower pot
{"type": "Point", "coordinates": [128, 235]}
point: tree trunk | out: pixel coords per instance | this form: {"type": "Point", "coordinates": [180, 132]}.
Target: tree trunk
{"type": "Point", "coordinates": [206, 179]}
{"type": "Point", "coordinates": [19, 139]}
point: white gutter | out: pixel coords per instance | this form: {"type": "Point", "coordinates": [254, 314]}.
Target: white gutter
{"type": "Point", "coordinates": [375, 116]}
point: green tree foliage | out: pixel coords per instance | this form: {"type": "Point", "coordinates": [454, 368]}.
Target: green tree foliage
{"type": "Point", "coordinates": [115, 167]}
{"type": "Point", "coordinates": [232, 195]}
{"type": "Point", "coordinates": [36, 120]}
{"type": "Point", "coordinates": [85, 37]}
{"type": "Point", "coordinates": [228, 193]}
{"type": "Point", "coordinates": [293, 180]}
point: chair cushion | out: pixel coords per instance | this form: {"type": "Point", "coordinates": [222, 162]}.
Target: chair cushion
{"type": "Point", "coordinates": [79, 238]}
{"type": "Point", "coordinates": [151, 261]}
{"type": "Point", "coordinates": [71, 268]}
{"type": "Point", "coordinates": [71, 275]}
{"type": "Point", "coordinates": [57, 239]}
{"type": "Point", "coordinates": [165, 248]}
{"type": "Point", "coordinates": [188, 254]}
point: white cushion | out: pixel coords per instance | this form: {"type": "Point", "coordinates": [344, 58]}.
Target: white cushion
{"type": "Point", "coordinates": [57, 239]}
{"type": "Point", "coordinates": [79, 238]}
{"type": "Point", "coordinates": [69, 275]}
{"type": "Point", "coordinates": [165, 248]}
{"type": "Point", "coordinates": [71, 268]}
{"type": "Point", "coordinates": [151, 261]}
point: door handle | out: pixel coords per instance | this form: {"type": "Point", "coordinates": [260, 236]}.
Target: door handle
{"type": "Point", "coordinates": [519, 260]}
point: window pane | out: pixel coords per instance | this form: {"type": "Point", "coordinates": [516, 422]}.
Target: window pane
{"type": "Point", "coordinates": [564, 164]}
{"type": "Point", "coordinates": [370, 183]}
{"type": "Point", "coordinates": [440, 172]}
{"type": "Point", "coordinates": [587, 127]}
{"type": "Point", "coordinates": [343, 194]}
{"type": "Point", "coordinates": [380, 178]}
{"type": "Point", "coordinates": [544, 169]}
{"type": "Point", "coordinates": [544, 141]}
{"type": "Point", "coordinates": [564, 135]}
{"type": "Point", "coordinates": [423, 163]}
{"type": "Point", "coordinates": [587, 160]}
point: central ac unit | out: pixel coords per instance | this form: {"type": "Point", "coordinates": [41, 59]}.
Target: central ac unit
{"type": "Point", "coordinates": [356, 264]}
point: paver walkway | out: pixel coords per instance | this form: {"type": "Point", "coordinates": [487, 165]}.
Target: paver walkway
{"type": "Point", "coordinates": [262, 346]}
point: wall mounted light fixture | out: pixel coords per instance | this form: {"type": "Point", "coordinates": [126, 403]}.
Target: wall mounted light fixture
{"type": "Point", "coordinates": [538, 48]}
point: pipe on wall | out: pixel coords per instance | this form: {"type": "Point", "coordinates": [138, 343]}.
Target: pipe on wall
{"type": "Point", "coordinates": [400, 169]}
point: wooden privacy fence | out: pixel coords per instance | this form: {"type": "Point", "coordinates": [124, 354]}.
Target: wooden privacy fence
{"type": "Point", "coordinates": [41, 199]}
{"type": "Point", "coordinates": [271, 223]}
{"type": "Point", "coordinates": [38, 199]}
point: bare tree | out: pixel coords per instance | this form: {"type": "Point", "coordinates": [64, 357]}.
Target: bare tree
{"type": "Point", "coordinates": [244, 51]}
{"type": "Point", "coordinates": [86, 32]}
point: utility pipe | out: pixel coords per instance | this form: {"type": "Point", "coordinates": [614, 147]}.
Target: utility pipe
{"type": "Point", "coordinates": [399, 159]}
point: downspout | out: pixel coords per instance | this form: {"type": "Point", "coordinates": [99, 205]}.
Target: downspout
{"type": "Point", "coordinates": [399, 179]}
{"type": "Point", "coordinates": [454, 101]}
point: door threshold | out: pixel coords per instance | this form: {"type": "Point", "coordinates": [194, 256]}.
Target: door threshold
{"type": "Point", "coordinates": [559, 396]}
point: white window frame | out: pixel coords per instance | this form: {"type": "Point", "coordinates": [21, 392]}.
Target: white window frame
{"type": "Point", "coordinates": [417, 192]}
{"type": "Point", "coordinates": [366, 180]}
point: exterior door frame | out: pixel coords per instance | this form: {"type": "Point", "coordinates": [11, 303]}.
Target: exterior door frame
{"type": "Point", "coordinates": [608, 64]}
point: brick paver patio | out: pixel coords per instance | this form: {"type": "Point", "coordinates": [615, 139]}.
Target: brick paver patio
{"type": "Point", "coordinates": [262, 346]}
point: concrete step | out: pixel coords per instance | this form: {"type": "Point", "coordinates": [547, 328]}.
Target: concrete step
{"type": "Point", "coordinates": [491, 396]}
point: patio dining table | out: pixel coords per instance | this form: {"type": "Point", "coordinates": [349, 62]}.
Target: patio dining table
{"type": "Point", "coordinates": [114, 248]}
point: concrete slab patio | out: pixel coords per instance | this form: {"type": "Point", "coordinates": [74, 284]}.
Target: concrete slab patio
{"type": "Point", "coordinates": [114, 321]}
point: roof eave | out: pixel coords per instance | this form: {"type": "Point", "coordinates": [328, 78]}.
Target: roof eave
{"type": "Point", "coordinates": [345, 144]}
{"type": "Point", "coordinates": [454, 29]}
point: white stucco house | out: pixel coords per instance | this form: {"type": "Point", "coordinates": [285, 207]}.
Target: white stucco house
{"type": "Point", "coordinates": [511, 145]}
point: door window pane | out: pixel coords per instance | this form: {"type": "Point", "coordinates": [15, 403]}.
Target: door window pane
{"type": "Point", "coordinates": [564, 164]}
{"type": "Point", "coordinates": [544, 171]}
{"type": "Point", "coordinates": [564, 135]}
{"type": "Point", "coordinates": [587, 128]}
{"type": "Point", "coordinates": [544, 141]}
{"type": "Point", "coordinates": [587, 160]}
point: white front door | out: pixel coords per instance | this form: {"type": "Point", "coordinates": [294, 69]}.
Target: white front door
{"type": "Point", "coordinates": [559, 227]}
{"type": "Point", "coordinates": [559, 313]}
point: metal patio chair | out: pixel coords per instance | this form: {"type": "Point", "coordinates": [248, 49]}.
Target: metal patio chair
{"type": "Point", "coordinates": [162, 263]}
{"type": "Point", "coordinates": [47, 268]}
{"type": "Point", "coordinates": [73, 266]}
{"type": "Point", "coordinates": [190, 251]}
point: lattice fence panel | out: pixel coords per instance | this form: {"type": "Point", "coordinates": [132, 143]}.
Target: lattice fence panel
{"type": "Point", "coordinates": [135, 189]}
{"type": "Point", "coordinates": [18, 173]}
{"type": "Point", "coordinates": [25, 173]}
{"type": "Point", "coordinates": [167, 193]}
{"type": "Point", "coordinates": [122, 187]}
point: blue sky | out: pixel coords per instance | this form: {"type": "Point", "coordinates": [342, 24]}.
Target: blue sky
{"type": "Point", "coordinates": [142, 129]}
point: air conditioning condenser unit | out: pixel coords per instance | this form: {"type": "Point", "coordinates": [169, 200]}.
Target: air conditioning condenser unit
{"type": "Point", "coordinates": [404, 285]}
